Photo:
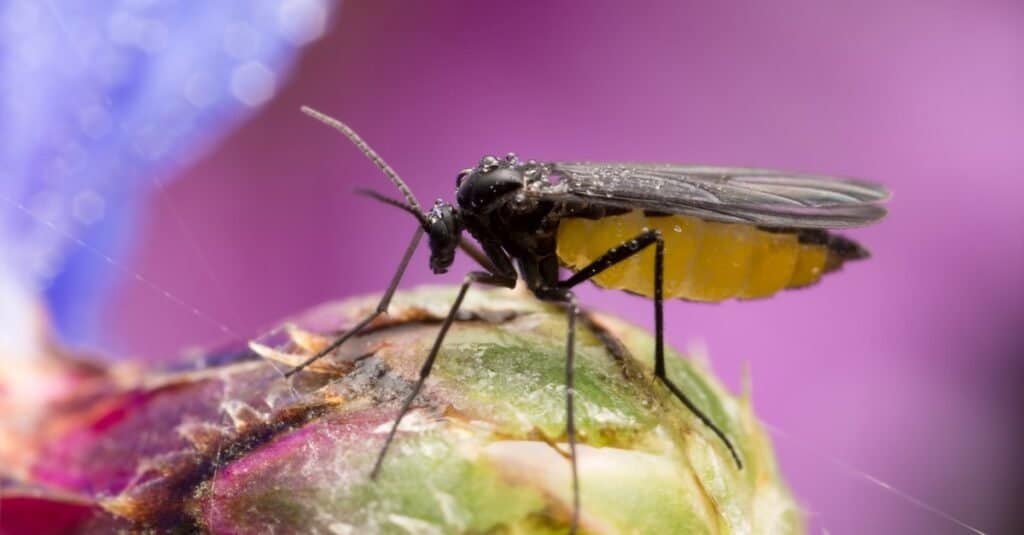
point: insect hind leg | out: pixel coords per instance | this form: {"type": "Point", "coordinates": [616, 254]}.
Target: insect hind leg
{"type": "Point", "coordinates": [620, 253]}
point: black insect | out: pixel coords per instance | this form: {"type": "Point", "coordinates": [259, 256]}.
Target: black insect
{"type": "Point", "coordinates": [658, 230]}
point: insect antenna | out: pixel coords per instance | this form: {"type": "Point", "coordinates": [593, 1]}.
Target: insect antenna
{"type": "Point", "coordinates": [391, 202]}
{"type": "Point", "coordinates": [368, 151]}
{"type": "Point", "coordinates": [476, 254]}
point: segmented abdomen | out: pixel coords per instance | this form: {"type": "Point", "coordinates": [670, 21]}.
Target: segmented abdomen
{"type": "Point", "coordinates": [704, 260]}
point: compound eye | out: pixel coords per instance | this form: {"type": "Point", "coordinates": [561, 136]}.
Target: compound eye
{"type": "Point", "coordinates": [462, 176]}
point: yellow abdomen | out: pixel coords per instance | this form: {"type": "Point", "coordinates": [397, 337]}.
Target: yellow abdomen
{"type": "Point", "coordinates": [704, 260]}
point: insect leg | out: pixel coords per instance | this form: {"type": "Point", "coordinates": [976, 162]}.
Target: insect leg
{"type": "Point", "coordinates": [659, 352]}
{"type": "Point", "coordinates": [570, 416]}
{"type": "Point", "coordinates": [564, 295]}
{"type": "Point", "coordinates": [619, 353]}
{"type": "Point", "coordinates": [382, 307]}
{"type": "Point", "coordinates": [479, 256]}
{"type": "Point", "coordinates": [612, 256]}
{"type": "Point", "coordinates": [572, 309]}
{"type": "Point", "coordinates": [475, 276]}
{"type": "Point", "coordinates": [618, 254]}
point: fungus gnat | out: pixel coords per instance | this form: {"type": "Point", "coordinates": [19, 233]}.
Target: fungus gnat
{"type": "Point", "coordinates": [658, 230]}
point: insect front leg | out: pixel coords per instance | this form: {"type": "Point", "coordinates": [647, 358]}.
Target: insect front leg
{"type": "Point", "coordinates": [481, 277]}
{"type": "Point", "coordinates": [620, 253]}
{"type": "Point", "coordinates": [382, 307]}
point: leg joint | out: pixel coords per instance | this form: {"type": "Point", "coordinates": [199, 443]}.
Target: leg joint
{"type": "Point", "coordinates": [491, 279]}
{"type": "Point", "coordinates": [615, 255]}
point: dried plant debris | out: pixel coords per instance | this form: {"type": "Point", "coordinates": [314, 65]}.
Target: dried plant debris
{"type": "Point", "coordinates": [229, 446]}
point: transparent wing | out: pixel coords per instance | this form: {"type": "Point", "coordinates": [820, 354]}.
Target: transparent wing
{"type": "Point", "coordinates": [732, 194]}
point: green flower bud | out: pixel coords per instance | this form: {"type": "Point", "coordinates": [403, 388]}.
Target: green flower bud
{"type": "Point", "coordinates": [232, 447]}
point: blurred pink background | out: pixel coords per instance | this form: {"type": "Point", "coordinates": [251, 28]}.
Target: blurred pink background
{"type": "Point", "coordinates": [907, 366]}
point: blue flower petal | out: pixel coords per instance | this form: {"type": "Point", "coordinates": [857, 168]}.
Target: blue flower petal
{"type": "Point", "coordinates": [101, 100]}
